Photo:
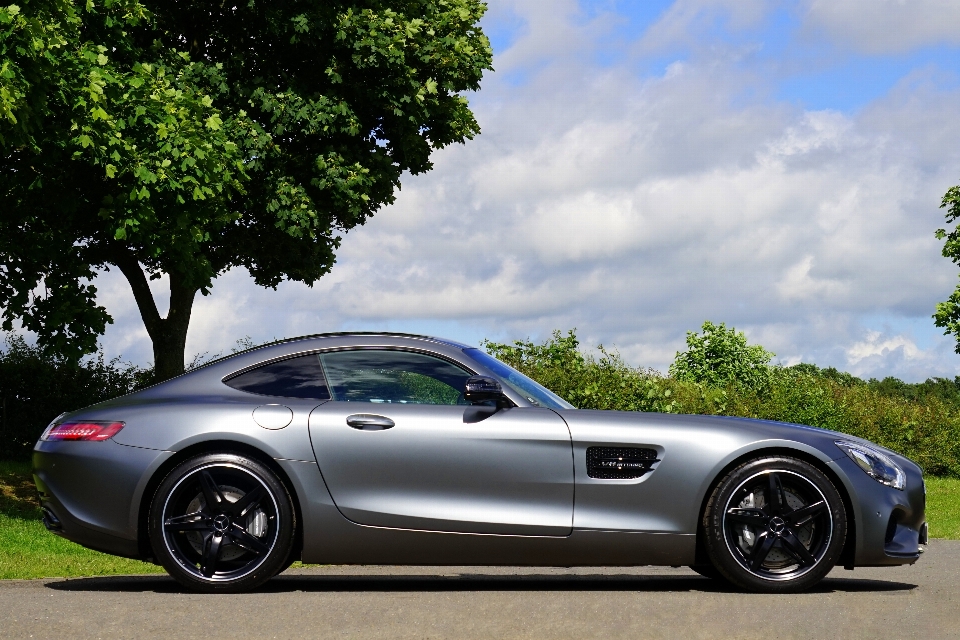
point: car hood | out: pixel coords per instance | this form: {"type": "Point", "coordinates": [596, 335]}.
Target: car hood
{"type": "Point", "coordinates": [743, 429]}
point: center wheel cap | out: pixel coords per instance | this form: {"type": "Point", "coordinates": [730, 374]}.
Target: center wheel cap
{"type": "Point", "coordinates": [221, 523]}
{"type": "Point", "coordinates": [777, 525]}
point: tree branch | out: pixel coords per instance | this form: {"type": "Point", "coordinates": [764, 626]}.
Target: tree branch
{"type": "Point", "coordinates": [130, 268]}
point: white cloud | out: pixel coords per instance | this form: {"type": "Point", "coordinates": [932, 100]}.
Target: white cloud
{"type": "Point", "coordinates": [886, 26]}
{"type": "Point", "coordinates": [877, 344]}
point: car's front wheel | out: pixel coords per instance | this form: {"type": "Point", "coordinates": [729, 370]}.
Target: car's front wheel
{"type": "Point", "coordinates": [775, 525]}
{"type": "Point", "coordinates": [222, 522]}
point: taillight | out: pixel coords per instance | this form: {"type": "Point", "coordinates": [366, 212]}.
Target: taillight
{"type": "Point", "coordinates": [94, 431]}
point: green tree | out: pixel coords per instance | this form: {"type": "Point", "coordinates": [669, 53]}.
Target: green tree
{"type": "Point", "coordinates": [185, 139]}
{"type": "Point", "coordinates": [947, 315]}
{"type": "Point", "coordinates": [719, 356]}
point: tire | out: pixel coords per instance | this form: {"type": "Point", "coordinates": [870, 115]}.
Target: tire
{"type": "Point", "coordinates": [775, 525]}
{"type": "Point", "coordinates": [237, 544]}
{"type": "Point", "coordinates": [286, 564]}
{"type": "Point", "coordinates": [709, 571]}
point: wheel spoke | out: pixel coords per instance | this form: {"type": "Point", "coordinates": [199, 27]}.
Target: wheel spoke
{"type": "Point", "coordinates": [211, 492]}
{"type": "Point", "coordinates": [241, 537]}
{"type": "Point", "coordinates": [793, 545]}
{"type": "Point", "coordinates": [211, 554]}
{"type": "Point", "coordinates": [803, 515]}
{"type": "Point", "coordinates": [776, 500]}
{"type": "Point", "coordinates": [748, 516]}
{"type": "Point", "coordinates": [249, 501]}
{"type": "Point", "coordinates": [761, 548]}
{"type": "Point", "coordinates": [189, 522]}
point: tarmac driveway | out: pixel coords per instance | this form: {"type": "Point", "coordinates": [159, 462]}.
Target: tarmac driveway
{"type": "Point", "coordinates": [921, 601]}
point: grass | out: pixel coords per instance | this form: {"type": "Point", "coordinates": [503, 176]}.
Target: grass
{"type": "Point", "coordinates": [27, 550]}
{"type": "Point", "coordinates": [943, 507]}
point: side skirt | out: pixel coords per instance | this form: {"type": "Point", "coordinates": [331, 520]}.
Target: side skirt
{"type": "Point", "coordinates": [329, 538]}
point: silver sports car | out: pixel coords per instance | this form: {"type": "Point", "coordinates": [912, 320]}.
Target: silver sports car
{"type": "Point", "coordinates": [400, 449]}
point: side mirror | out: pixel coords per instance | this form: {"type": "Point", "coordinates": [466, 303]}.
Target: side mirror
{"type": "Point", "coordinates": [481, 389]}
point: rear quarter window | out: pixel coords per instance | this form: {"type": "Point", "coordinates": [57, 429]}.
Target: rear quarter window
{"type": "Point", "coordinates": [300, 377]}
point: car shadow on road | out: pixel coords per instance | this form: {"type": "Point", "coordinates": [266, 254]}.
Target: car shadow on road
{"type": "Point", "coordinates": [468, 582]}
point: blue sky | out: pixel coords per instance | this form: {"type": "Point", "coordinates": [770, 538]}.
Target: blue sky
{"type": "Point", "coordinates": [803, 67]}
{"type": "Point", "coordinates": [646, 166]}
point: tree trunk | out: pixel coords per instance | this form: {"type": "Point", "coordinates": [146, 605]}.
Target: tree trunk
{"type": "Point", "coordinates": [170, 345]}
{"type": "Point", "coordinates": [169, 335]}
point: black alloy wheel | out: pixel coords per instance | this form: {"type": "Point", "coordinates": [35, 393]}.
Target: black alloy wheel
{"type": "Point", "coordinates": [222, 523]}
{"type": "Point", "coordinates": [775, 525]}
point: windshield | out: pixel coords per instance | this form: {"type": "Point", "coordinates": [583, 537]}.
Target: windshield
{"type": "Point", "coordinates": [535, 394]}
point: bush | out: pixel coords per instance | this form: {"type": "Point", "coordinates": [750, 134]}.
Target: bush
{"type": "Point", "coordinates": [927, 429]}
{"type": "Point", "coordinates": [35, 388]}
{"type": "Point", "coordinates": [921, 421]}
{"type": "Point", "coordinates": [719, 356]}
{"type": "Point", "coordinates": [587, 382]}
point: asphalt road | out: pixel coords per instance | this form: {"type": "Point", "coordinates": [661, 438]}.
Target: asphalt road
{"type": "Point", "coordinates": [921, 601]}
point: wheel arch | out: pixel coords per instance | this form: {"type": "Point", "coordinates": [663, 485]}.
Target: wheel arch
{"type": "Point", "coordinates": [211, 446]}
{"type": "Point", "coordinates": [850, 543]}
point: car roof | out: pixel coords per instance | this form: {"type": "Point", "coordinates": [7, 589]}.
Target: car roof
{"type": "Point", "coordinates": [342, 334]}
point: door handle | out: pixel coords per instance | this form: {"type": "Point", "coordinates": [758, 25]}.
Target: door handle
{"type": "Point", "coordinates": [369, 422]}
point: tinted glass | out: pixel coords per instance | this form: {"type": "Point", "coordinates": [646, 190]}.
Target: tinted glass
{"type": "Point", "coordinates": [393, 377]}
{"type": "Point", "coordinates": [300, 377]}
{"type": "Point", "coordinates": [535, 394]}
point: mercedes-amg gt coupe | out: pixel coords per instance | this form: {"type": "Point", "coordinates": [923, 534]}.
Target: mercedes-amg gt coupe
{"type": "Point", "coordinates": [394, 449]}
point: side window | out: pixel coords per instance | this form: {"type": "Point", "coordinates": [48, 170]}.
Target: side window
{"type": "Point", "coordinates": [300, 377]}
{"type": "Point", "coordinates": [374, 375]}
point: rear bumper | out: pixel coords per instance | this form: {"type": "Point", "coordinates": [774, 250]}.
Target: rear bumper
{"type": "Point", "coordinates": [90, 492]}
{"type": "Point", "coordinates": [59, 521]}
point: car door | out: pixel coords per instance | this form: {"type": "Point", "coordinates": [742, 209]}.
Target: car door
{"type": "Point", "coordinates": [398, 448]}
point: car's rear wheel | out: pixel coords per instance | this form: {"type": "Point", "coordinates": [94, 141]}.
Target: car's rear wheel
{"type": "Point", "coordinates": [708, 571]}
{"type": "Point", "coordinates": [775, 525]}
{"type": "Point", "coordinates": [222, 522]}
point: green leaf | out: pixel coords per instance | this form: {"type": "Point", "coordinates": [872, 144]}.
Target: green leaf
{"type": "Point", "coordinates": [221, 166]}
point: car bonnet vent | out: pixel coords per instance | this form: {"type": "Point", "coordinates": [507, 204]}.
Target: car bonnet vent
{"type": "Point", "coordinates": [619, 463]}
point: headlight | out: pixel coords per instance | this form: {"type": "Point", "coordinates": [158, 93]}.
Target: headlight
{"type": "Point", "coordinates": [875, 464]}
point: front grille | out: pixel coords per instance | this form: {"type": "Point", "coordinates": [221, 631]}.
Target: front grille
{"type": "Point", "coordinates": [619, 463]}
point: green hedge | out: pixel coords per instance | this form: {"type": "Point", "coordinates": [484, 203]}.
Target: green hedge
{"type": "Point", "coordinates": [35, 388]}
{"type": "Point", "coordinates": [921, 421]}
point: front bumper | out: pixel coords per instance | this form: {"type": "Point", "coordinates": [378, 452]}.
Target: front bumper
{"type": "Point", "coordinates": [90, 492]}
{"type": "Point", "coordinates": [888, 523]}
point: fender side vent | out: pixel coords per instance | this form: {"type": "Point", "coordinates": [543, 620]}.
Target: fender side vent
{"type": "Point", "coordinates": [619, 463]}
